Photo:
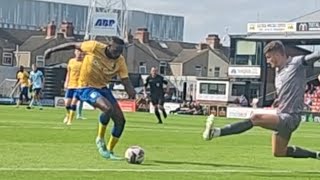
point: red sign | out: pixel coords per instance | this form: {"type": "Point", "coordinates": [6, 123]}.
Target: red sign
{"type": "Point", "coordinates": [127, 105]}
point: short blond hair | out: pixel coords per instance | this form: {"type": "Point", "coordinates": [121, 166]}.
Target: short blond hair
{"type": "Point", "coordinates": [274, 46]}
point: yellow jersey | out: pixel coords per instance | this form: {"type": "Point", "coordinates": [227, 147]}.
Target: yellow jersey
{"type": "Point", "coordinates": [74, 67]}
{"type": "Point", "coordinates": [23, 78]}
{"type": "Point", "coordinates": [97, 69]}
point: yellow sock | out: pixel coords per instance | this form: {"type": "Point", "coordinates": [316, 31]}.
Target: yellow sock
{"type": "Point", "coordinates": [101, 131]}
{"type": "Point", "coordinates": [112, 143]}
{"type": "Point", "coordinates": [71, 116]}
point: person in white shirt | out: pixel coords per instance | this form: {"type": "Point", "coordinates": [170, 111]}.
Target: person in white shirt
{"type": "Point", "coordinates": [37, 82]}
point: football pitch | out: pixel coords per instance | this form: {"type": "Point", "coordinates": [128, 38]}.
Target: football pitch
{"type": "Point", "coordinates": [36, 144]}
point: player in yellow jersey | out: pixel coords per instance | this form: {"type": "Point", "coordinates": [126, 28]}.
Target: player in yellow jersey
{"type": "Point", "coordinates": [101, 63]}
{"type": "Point", "coordinates": [71, 85]}
{"type": "Point", "coordinates": [23, 81]}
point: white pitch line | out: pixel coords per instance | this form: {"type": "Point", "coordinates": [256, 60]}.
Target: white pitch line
{"type": "Point", "coordinates": [157, 170]}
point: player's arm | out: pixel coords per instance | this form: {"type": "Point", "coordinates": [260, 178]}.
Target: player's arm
{"type": "Point", "coordinates": [167, 84]}
{"type": "Point", "coordinates": [145, 87]}
{"type": "Point", "coordinates": [62, 47]}
{"type": "Point", "coordinates": [66, 82]}
{"type": "Point", "coordinates": [311, 58]}
{"type": "Point", "coordinates": [18, 80]}
{"type": "Point", "coordinates": [124, 75]}
{"type": "Point", "coordinates": [128, 87]}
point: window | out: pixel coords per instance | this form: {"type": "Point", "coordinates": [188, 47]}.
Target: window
{"type": "Point", "coordinates": [238, 89]}
{"type": "Point", "coordinates": [163, 45]}
{"type": "Point", "coordinates": [254, 93]}
{"type": "Point", "coordinates": [217, 72]}
{"type": "Point", "coordinates": [198, 70]}
{"type": "Point", "coordinates": [254, 90]}
{"type": "Point", "coordinates": [163, 68]}
{"type": "Point", "coordinates": [142, 68]}
{"type": "Point", "coordinates": [40, 61]}
{"type": "Point", "coordinates": [247, 53]}
{"type": "Point", "coordinates": [7, 59]}
{"type": "Point", "coordinates": [212, 88]}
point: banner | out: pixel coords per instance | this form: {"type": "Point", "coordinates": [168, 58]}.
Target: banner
{"type": "Point", "coordinates": [59, 102]}
{"type": "Point", "coordinates": [253, 72]}
{"type": "Point", "coordinates": [47, 102]}
{"type": "Point", "coordinates": [7, 101]}
{"type": "Point", "coordinates": [308, 26]}
{"type": "Point", "coordinates": [246, 112]}
{"type": "Point", "coordinates": [271, 27]}
{"type": "Point", "coordinates": [168, 106]}
{"type": "Point", "coordinates": [222, 111]}
{"type": "Point", "coordinates": [104, 24]}
{"type": "Point", "coordinates": [127, 105]}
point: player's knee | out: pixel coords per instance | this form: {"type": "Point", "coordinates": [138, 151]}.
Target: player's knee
{"type": "Point", "coordinates": [73, 107]}
{"type": "Point", "coordinates": [68, 107]}
{"type": "Point", "coordinates": [255, 119]}
{"type": "Point", "coordinates": [104, 118]}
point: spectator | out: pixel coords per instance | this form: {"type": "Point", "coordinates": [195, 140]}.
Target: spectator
{"type": "Point", "coordinates": [243, 101]}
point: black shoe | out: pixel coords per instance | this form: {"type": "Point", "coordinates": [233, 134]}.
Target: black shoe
{"type": "Point", "coordinates": [28, 107]}
{"type": "Point", "coordinates": [165, 115]}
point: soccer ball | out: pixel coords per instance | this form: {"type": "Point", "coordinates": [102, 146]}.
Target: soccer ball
{"type": "Point", "coordinates": [134, 155]}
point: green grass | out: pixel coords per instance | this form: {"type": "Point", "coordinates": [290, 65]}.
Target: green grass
{"type": "Point", "coordinates": [36, 145]}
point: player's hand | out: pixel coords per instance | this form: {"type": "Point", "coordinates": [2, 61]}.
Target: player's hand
{"type": "Point", "coordinates": [47, 54]}
{"type": "Point", "coordinates": [145, 95]}
{"type": "Point", "coordinates": [132, 94]}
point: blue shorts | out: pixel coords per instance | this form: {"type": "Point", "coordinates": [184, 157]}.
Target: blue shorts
{"type": "Point", "coordinates": [90, 95]}
{"type": "Point", "coordinates": [71, 93]}
{"type": "Point", "coordinates": [23, 92]}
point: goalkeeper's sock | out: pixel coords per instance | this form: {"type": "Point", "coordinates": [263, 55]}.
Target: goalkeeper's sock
{"type": "Point", "coordinates": [79, 109]}
{"type": "Point", "coordinates": [31, 103]}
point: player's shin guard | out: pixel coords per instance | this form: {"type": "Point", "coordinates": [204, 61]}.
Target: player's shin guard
{"type": "Point", "coordinates": [297, 152]}
{"type": "Point", "coordinates": [157, 113]}
{"type": "Point", "coordinates": [115, 135]}
{"type": "Point", "coordinates": [236, 128]}
{"type": "Point", "coordinates": [68, 108]}
{"type": "Point", "coordinates": [103, 122]}
{"type": "Point", "coordinates": [72, 114]}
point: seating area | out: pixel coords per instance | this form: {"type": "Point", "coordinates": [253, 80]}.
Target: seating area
{"type": "Point", "coordinates": [312, 98]}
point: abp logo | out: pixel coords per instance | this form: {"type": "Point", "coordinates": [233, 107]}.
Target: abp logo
{"type": "Point", "coordinates": [106, 23]}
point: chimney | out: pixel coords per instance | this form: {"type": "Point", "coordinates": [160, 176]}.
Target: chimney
{"type": "Point", "coordinates": [51, 30]}
{"type": "Point", "coordinates": [203, 46]}
{"type": "Point", "coordinates": [213, 41]}
{"type": "Point", "coordinates": [142, 35]}
{"type": "Point", "coordinates": [67, 29]}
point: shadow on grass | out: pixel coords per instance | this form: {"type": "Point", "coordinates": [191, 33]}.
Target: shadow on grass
{"type": "Point", "coordinates": [293, 175]}
{"type": "Point", "coordinates": [206, 164]}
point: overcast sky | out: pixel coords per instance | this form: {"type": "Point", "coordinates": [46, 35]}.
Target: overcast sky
{"type": "Point", "coordinates": [213, 16]}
